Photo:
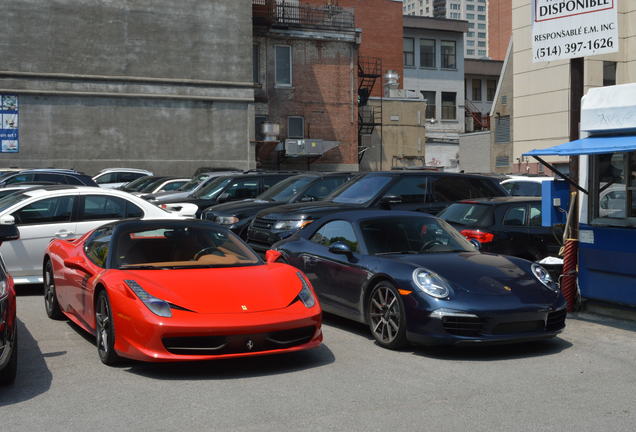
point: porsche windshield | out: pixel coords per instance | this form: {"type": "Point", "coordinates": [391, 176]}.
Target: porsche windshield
{"type": "Point", "coordinates": [180, 246]}
{"type": "Point", "coordinates": [411, 235]}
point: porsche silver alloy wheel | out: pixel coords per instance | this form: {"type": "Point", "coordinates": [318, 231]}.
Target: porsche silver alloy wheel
{"type": "Point", "coordinates": [50, 296]}
{"type": "Point", "coordinates": [386, 319]}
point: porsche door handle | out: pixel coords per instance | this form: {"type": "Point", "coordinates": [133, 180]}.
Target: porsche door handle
{"type": "Point", "coordinates": [64, 234]}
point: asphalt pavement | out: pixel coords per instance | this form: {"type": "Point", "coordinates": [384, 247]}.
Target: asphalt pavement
{"type": "Point", "coordinates": [584, 380]}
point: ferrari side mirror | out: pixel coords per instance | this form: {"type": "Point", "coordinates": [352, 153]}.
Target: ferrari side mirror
{"type": "Point", "coordinates": [271, 256]}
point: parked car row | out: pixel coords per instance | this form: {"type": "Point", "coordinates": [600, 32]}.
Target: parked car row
{"type": "Point", "coordinates": [361, 245]}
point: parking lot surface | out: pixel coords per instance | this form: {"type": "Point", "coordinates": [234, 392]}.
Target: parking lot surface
{"type": "Point", "coordinates": [584, 380]}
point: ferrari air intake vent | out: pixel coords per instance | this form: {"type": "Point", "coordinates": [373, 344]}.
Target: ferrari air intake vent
{"type": "Point", "coordinates": [462, 325]}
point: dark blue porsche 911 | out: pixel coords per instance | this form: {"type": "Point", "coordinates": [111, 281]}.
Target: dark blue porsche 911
{"type": "Point", "coordinates": [413, 278]}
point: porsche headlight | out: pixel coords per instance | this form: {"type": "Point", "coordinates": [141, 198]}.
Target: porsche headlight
{"type": "Point", "coordinates": [4, 289]}
{"type": "Point", "coordinates": [226, 220]}
{"type": "Point", "coordinates": [156, 305]}
{"type": "Point", "coordinates": [287, 225]}
{"type": "Point", "coordinates": [431, 283]}
{"type": "Point", "coordinates": [544, 277]}
{"type": "Point", "coordinates": [305, 295]}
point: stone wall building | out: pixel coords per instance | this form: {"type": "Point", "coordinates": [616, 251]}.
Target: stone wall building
{"type": "Point", "coordinates": [162, 85]}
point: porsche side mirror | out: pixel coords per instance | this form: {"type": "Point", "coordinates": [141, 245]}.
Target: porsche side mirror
{"type": "Point", "coordinates": [8, 233]}
{"type": "Point", "coordinates": [7, 220]}
{"type": "Point", "coordinates": [271, 256]}
{"type": "Point", "coordinates": [340, 248]}
{"type": "Point", "coordinates": [77, 264]}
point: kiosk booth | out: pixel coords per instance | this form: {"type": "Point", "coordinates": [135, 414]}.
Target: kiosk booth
{"type": "Point", "coordinates": [607, 193]}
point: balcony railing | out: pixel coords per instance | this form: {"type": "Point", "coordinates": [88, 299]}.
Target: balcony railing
{"type": "Point", "coordinates": [272, 13]}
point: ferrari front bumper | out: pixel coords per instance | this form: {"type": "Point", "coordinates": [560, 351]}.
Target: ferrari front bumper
{"type": "Point", "coordinates": [141, 335]}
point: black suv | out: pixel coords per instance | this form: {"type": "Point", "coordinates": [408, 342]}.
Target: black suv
{"type": "Point", "coordinates": [48, 176]}
{"type": "Point", "coordinates": [506, 225]}
{"type": "Point", "coordinates": [300, 188]}
{"type": "Point", "coordinates": [226, 188]}
{"type": "Point", "coordinates": [423, 191]}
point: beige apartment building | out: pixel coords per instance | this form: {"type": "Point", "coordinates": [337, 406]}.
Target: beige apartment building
{"type": "Point", "coordinates": [542, 90]}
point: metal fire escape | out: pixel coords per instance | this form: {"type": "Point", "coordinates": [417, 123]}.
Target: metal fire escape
{"type": "Point", "coordinates": [369, 70]}
{"type": "Point", "coordinates": [479, 122]}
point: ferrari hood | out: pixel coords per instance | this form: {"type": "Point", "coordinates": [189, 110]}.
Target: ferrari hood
{"type": "Point", "coordinates": [222, 290]}
{"type": "Point", "coordinates": [484, 274]}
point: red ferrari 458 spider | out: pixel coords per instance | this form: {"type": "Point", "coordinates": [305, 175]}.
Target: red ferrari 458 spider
{"type": "Point", "coordinates": [166, 290]}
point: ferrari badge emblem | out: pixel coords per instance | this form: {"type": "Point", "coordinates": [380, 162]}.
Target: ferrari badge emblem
{"type": "Point", "coordinates": [507, 288]}
{"type": "Point", "coordinates": [244, 307]}
{"type": "Point", "coordinates": [249, 344]}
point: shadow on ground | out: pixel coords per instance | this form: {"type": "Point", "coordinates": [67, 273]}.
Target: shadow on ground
{"type": "Point", "coordinates": [34, 377]}
{"type": "Point", "coordinates": [462, 353]}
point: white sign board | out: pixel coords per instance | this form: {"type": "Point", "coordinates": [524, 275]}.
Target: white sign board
{"type": "Point", "coordinates": [564, 29]}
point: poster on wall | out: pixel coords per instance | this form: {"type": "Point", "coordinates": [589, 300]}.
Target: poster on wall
{"type": "Point", "coordinates": [9, 142]}
{"type": "Point", "coordinates": [565, 29]}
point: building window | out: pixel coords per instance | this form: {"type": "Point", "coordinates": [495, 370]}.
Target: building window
{"type": "Point", "coordinates": [481, 8]}
{"type": "Point", "coordinates": [295, 127]}
{"type": "Point", "coordinates": [614, 186]}
{"type": "Point", "coordinates": [454, 6]}
{"type": "Point", "coordinates": [481, 53]}
{"type": "Point", "coordinates": [470, 52]}
{"type": "Point", "coordinates": [502, 129]}
{"type": "Point", "coordinates": [427, 53]}
{"type": "Point", "coordinates": [256, 65]}
{"type": "Point", "coordinates": [470, 43]}
{"type": "Point", "coordinates": [470, 7]}
{"type": "Point", "coordinates": [476, 90]}
{"type": "Point", "coordinates": [409, 52]}
{"type": "Point", "coordinates": [481, 26]}
{"type": "Point", "coordinates": [491, 89]}
{"type": "Point", "coordinates": [609, 73]}
{"type": "Point", "coordinates": [449, 106]}
{"type": "Point", "coordinates": [471, 25]}
{"type": "Point", "coordinates": [481, 17]}
{"type": "Point", "coordinates": [502, 161]}
{"type": "Point", "coordinates": [455, 15]}
{"type": "Point", "coordinates": [481, 35]}
{"type": "Point", "coordinates": [429, 98]}
{"type": "Point", "coordinates": [449, 56]}
{"type": "Point", "coordinates": [283, 65]}
{"type": "Point", "coordinates": [481, 44]}
{"type": "Point", "coordinates": [471, 34]}
{"type": "Point", "coordinates": [470, 16]}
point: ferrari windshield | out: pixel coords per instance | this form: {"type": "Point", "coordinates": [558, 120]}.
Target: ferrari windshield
{"type": "Point", "coordinates": [285, 190]}
{"type": "Point", "coordinates": [411, 235]}
{"type": "Point", "coordinates": [180, 246]}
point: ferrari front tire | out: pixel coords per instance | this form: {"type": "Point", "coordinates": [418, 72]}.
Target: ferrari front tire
{"type": "Point", "coordinates": [104, 330]}
{"type": "Point", "coordinates": [51, 305]}
{"type": "Point", "coordinates": [9, 372]}
{"type": "Point", "coordinates": [385, 316]}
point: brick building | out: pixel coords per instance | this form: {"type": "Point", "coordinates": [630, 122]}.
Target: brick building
{"type": "Point", "coordinates": [499, 28]}
{"type": "Point", "coordinates": [305, 72]}
{"type": "Point", "coordinates": [380, 22]}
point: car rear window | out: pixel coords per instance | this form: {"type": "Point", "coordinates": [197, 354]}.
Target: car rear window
{"type": "Point", "coordinates": [469, 214]}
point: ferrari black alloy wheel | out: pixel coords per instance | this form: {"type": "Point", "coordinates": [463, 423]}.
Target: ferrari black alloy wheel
{"type": "Point", "coordinates": [104, 330]}
{"type": "Point", "coordinates": [386, 316]}
{"type": "Point", "coordinates": [51, 304]}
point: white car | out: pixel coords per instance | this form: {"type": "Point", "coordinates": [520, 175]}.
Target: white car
{"type": "Point", "coordinates": [524, 186]}
{"type": "Point", "coordinates": [67, 212]}
{"type": "Point", "coordinates": [112, 178]}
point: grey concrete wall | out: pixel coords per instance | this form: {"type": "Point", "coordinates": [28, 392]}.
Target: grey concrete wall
{"type": "Point", "coordinates": [147, 83]}
{"type": "Point", "coordinates": [474, 152]}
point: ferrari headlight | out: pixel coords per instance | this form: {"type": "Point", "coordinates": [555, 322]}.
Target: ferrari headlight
{"type": "Point", "coordinates": [287, 225]}
{"type": "Point", "coordinates": [544, 277]}
{"type": "Point", "coordinates": [226, 220]}
{"type": "Point", "coordinates": [305, 295]}
{"type": "Point", "coordinates": [156, 305]}
{"type": "Point", "coordinates": [431, 283]}
{"type": "Point", "coordinates": [4, 289]}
